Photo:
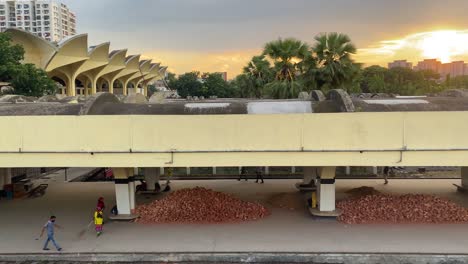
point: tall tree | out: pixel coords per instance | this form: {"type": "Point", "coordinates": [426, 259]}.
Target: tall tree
{"type": "Point", "coordinates": [25, 78]}
{"type": "Point", "coordinates": [333, 52]}
{"type": "Point", "coordinates": [188, 84]}
{"type": "Point", "coordinates": [10, 57]}
{"type": "Point", "coordinates": [31, 81]}
{"type": "Point", "coordinates": [288, 56]}
{"type": "Point", "coordinates": [215, 85]}
{"type": "Point", "coordinates": [258, 70]}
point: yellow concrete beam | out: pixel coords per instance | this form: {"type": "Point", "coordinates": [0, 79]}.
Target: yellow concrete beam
{"type": "Point", "coordinates": [339, 139]}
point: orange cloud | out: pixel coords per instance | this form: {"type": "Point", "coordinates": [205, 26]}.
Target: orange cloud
{"type": "Point", "coordinates": [445, 45]}
{"type": "Point", "coordinates": [186, 61]}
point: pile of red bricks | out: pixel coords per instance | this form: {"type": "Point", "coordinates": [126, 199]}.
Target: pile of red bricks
{"type": "Point", "coordinates": [410, 208]}
{"type": "Point", "coordinates": [199, 205]}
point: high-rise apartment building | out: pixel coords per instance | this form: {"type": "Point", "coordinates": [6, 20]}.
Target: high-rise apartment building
{"type": "Point", "coordinates": [430, 64]}
{"type": "Point", "coordinates": [48, 19]}
{"type": "Point", "coordinates": [454, 69]}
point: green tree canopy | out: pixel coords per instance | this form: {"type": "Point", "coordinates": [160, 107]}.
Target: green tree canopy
{"type": "Point", "coordinates": [188, 84]}
{"type": "Point", "coordinates": [336, 67]}
{"type": "Point", "coordinates": [25, 78]}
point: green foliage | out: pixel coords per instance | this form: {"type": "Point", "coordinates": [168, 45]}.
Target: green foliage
{"type": "Point", "coordinates": [209, 84]}
{"type": "Point", "coordinates": [459, 82]}
{"type": "Point", "coordinates": [188, 85]}
{"type": "Point", "coordinates": [25, 78]}
{"type": "Point", "coordinates": [215, 85]}
{"type": "Point", "coordinates": [283, 89]}
{"type": "Point", "coordinates": [245, 86]}
{"type": "Point", "coordinates": [259, 73]}
{"type": "Point", "coordinates": [335, 66]}
{"type": "Point", "coordinates": [288, 56]}
{"type": "Point", "coordinates": [10, 57]}
{"type": "Point", "coordinates": [171, 78]}
{"type": "Point", "coordinates": [402, 81]}
{"type": "Point", "coordinates": [31, 81]}
{"type": "Point", "coordinates": [297, 67]}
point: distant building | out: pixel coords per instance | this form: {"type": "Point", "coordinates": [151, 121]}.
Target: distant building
{"type": "Point", "coordinates": [429, 64]}
{"type": "Point", "coordinates": [224, 75]}
{"type": "Point", "coordinates": [454, 69]}
{"type": "Point", "coordinates": [48, 19]}
{"type": "Point", "coordinates": [400, 64]}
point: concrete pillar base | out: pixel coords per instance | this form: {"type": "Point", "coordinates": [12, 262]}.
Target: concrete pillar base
{"type": "Point", "coordinates": [308, 183]}
{"type": "Point", "coordinates": [317, 213]}
{"type": "Point", "coordinates": [152, 176]}
{"type": "Point", "coordinates": [464, 181]}
{"type": "Point", "coordinates": [124, 194]}
{"type": "Point", "coordinates": [122, 217]}
{"type": "Point", "coordinates": [326, 190]}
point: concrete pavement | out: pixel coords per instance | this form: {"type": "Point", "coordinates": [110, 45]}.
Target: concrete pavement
{"type": "Point", "coordinates": [284, 231]}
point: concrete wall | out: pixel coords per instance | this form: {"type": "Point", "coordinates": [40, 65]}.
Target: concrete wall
{"type": "Point", "coordinates": [340, 139]}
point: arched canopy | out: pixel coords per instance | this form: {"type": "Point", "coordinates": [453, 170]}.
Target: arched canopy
{"type": "Point", "coordinates": [38, 51]}
{"type": "Point", "coordinates": [71, 50]}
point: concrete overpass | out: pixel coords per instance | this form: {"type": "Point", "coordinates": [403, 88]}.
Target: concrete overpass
{"type": "Point", "coordinates": [103, 132]}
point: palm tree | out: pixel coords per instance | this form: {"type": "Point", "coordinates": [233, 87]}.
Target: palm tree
{"type": "Point", "coordinates": [333, 52]}
{"type": "Point", "coordinates": [288, 56]}
{"type": "Point", "coordinates": [258, 70]}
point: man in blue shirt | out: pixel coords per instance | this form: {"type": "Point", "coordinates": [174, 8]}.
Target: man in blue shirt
{"type": "Point", "coordinates": [49, 226]}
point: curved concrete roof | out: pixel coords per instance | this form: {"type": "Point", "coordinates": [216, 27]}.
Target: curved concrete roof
{"type": "Point", "coordinates": [71, 50]}
{"type": "Point", "coordinates": [38, 51]}
{"type": "Point", "coordinates": [116, 62]}
{"type": "Point", "coordinates": [72, 59]}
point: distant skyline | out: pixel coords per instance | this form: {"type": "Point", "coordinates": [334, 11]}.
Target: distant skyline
{"type": "Point", "coordinates": [222, 35]}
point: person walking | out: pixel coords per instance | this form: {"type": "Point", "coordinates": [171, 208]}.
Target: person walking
{"type": "Point", "coordinates": [98, 220]}
{"type": "Point", "coordinates": [259, 172]}
{"type": "Point", "coordinates": [386, 171]}
{"type": "Point", "coordinates": [50, 226]}
{"type": "Point", "coordinates": [243, 173]}
{"type": "Point", "coordinates": [100, 203]}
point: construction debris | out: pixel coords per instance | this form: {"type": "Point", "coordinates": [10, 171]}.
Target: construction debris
{"type": "Point", "coordinates": [200, 205]}
{"type": "Point", "coordinates": [395, 209]}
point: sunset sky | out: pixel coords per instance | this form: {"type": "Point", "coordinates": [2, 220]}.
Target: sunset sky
{"type": "Point", "coordinates": [222, 35]}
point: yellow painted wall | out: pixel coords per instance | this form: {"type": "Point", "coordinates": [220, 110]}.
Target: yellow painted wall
{"type": "Point", "coordinates": [339, 139]}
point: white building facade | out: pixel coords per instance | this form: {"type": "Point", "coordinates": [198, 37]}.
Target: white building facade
{"type": "Point", "coordinates": [48, 19]}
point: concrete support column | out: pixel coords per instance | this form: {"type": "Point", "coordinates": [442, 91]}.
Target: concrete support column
{"type": "Point", "coordinates": [310, 174]}
{"type": "Point", "coordinates": [2, 180]}
{"type": "Point", "coordinates": [86, 90]}
{"type": "Point", "coordinates": [188, 170]}
{"type": "Point", "coordinates": [464, 177]}
{"type": "Point", "coordinates": [214, 171]}
{"type": "Point", "coordinates": [131, 188]}
{"type": "Point", "coordinates": [145, 90]}
{"type": "Point", "coordinates": [5, 177]}
{"type": "Point", "coordinates": [94, 86]}
{"type": "Point", "coordinates": [374, 171]}
{"type": "Point", "coordinates": [348, 170]}
{"type": "Point", "coordinates": [122, 191]}
{"type": "Point", "coordinates": [8, 176]}
{"type": "Point", "coordinates": [152, 176]}
{"type": "Point", "coordinates": [267, 170]}
{"type": "Point", "coordinates": [111, 86]}
{"type": "Point", "coordinates": [326, 190]}
{"type": "Point", "coordinates": [293, 169]}
{"type": "Point", "coordinates": [125, 87]}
